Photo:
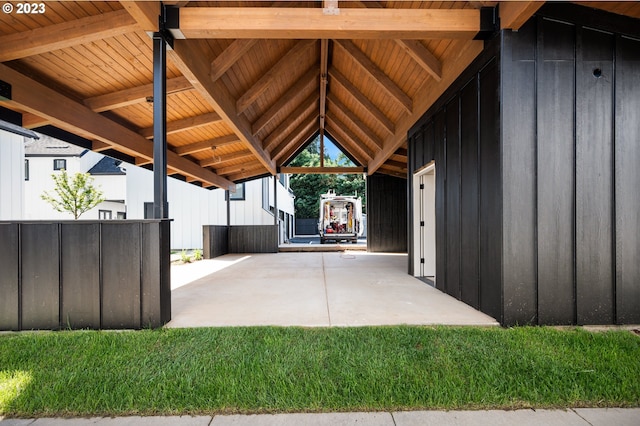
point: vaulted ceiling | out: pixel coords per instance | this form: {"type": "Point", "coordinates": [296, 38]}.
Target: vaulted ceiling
{"type": "Point", "coordinates": [248, 83]}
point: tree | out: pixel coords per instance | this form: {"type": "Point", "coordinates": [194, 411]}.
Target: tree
{"type": "Point", "coordinates": [308, 187]}
{"type": "Point", "coordinates": [74, 194]}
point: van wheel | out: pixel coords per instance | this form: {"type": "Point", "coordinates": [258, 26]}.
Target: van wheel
{"type": "Point", "coordinates": [321, 240]}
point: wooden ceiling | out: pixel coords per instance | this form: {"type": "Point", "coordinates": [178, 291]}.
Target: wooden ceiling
{"type": "Point", "coordinates": [249, 83]}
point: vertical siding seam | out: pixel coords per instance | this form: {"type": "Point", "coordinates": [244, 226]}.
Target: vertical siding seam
{"type": "Point", "coordinates": [60, 277]}
{"type": "Point", "coordinates": [19, 276]}
{"type": "Point", "coordinates": [478, 282]}
{"type": "Point", "coordinates": [141, 273]}
{"type": "Point", "coordinates": [459, 161]}
{"type": "Point", "coordinates": [100, 277]}
{"type": "Point", "coordinates": [536, 243]}
{"type": "Point", "coordinates": [614, 222]}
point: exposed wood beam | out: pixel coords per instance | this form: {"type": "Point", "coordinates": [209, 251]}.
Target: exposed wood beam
{"type": "Point", "coordinates": [241, 155]}
{"type": "Point", "coordinates": [187, 55]}
{"type": "Point", "coordinates": [249, 165]}
{"type": "Point", "coordinates": [354, 121]}
{"type": "Point", "coordinates": [184, 124]}
{"type": "Point", "coordinates": [286, 155]}
{"type": "Point", "coordinates": [283, 65]}
{"type": "Point", "coordinates": [230, 56]}
{"type": "Point", "coordinates": [67, 34]}
{"type": "Point", "coordinates": [314, 23]}
{"type": "Point", "coordinates": [402, 152]}
{"type": "Point", "coordinates": [513, 14]}
{"type": "Point", "coordinates": [99, 146]}
{"type": "Point", "coordinates": [248, 174]}
{"type": "Point", "coordinates": [322, 170]}
{"type": "Point", "coordinates": [208, 144]}
{"type": "Point", "coordinates": [72, 116]}
{"type": "Point", "coordinates": [133, 95]}
{"type": "Point", "coordinates": [193, 59]}
{"type": "Point", "coordinates": [350, 136]}
{"type": "Point", "coordinates": [392, 172]}
{"type": "Point", "coordinates": [324, 66]}
{"type": "Point", "coordinates": [301, 87]}
{"type": "Point", "coordinates": [379, 77]}
{"type": "Point", "coordinates": [395, 165]}
{"type": "Point", "coordinates": [145, 13]}
{"type": "Point", "coordinates": [422, 56]}
{"type": "Point", "coordinates": [31, 121]}
{"type": "Point", "coordinates": [303, 110]}
{"type": "Point", "coordinates": [457, 57]}
{"type": "Point", "coordinates": [358, 96]}
{"type": "Point", "coordinates": [346, 143]}
{"type": "Point", "coordinates": [294, 138]}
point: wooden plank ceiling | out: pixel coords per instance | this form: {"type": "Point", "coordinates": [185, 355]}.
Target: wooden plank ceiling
{"type": "Point", "coordinates": [250, 83]}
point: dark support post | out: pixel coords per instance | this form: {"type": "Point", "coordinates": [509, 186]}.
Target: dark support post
{"type": "Point", "coordinates": [228, 207]}
{"type": "Point", "coordinates": [159, 127]}
{"type": "Point", "coordinates": [160, 206]}
{"type": "Point", "coordinates": [276, 213]}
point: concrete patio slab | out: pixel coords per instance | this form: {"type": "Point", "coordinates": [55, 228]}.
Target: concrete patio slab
{"type": "Point", "coordinates": [309, 290]}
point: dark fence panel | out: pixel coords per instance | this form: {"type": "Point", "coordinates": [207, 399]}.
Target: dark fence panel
{"type": "Point", "coordinates": [452, 186]}
{"type": "Point", "coordinates": [307, 226]}
{"type": "Point", "coordinates": [386, 214]}
{"type": "Point", "coordinates": [84, 274]}
{"type": "Point", "coordinates": [253, 239]}
{"type": "Point", "coordinates": [9, 276]}
{"type": "Point", "coordinates": [80, 259]}
{"type": "Point", "coordinates": [215, 240]}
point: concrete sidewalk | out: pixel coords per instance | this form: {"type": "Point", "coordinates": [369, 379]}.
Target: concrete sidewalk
{"type": "Point", "coordinates": [310, 290]}
{"type": "Point", "coordinates": [577, 417]}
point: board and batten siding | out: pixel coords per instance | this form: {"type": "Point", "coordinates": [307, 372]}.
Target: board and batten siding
{"type": "Point", "coordinates": [460, 133]}
{"type": "Point", "coordinates": [571, 157]}
{"type": "Point", "coordinates": [553, 191]}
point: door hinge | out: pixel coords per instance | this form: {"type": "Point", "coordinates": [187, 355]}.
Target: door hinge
{"type": "Point", "coordinates": [422, 186]}
{"type": "Point", "coordinates": [422, 223]}
{"type": "Point", "coordinates": [422, 260]}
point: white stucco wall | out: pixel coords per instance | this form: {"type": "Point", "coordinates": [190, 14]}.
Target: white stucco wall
{"type": "Point", "coordinates": [11, 175]}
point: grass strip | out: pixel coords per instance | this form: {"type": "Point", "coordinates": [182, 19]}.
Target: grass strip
{"type": "Point", "coordinates": [272, 369]}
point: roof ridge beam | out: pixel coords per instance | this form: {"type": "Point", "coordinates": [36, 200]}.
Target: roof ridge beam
{"type": "Point", "coordinates": [265, 81]}
{"type": "Point", "coordinates": [66, 34]}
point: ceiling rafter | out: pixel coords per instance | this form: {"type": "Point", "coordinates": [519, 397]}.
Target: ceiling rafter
{"type": "Point", "coordinates": [286, 155]}
{"type": "Point", "coordinates": [250, 165]}
{"type": "Point", "coordinates": [67, 34]}
{"type": "Point", "coordinates": [134, 95]}
{"type": "Point", "coordinates": [379, 77]}
{"type": "Point", "coordinates": [294, 137]}
{"type": "Point", "coordinates": [230, 56]}
{"type": "Point", "coordinates": [359, 97]}
{"type": "Point", "coordinates": [240, 155]}
{"type": "Point", "coordinates": [350, 118]}
{"type": "Point", "coordinates": [187, 56]}
{"type": "Point", "coordinates": [274, 72]}
{"type": "Point", "coordinates": [349, 135]}
{"type": "Point", "coordinates": [208, 144]}
{"type": "Point", "coordinates": [315, 23]}
{"type": "Point", "coordinates": [513, 14]}
{"type": "Point", "coordinates": [299, 88]}
{"type": "Point", "coordinates": [185, 124]}
{"type": "Point", "coordinates": [459, 55]}
{"type": "Point", "coordinates": [423, 57]}
{"type": "Point", "coordinates": [346, 143]}
{"type": "Point", "coordinates": [67, 114]}
{"type": "Point", "coordinates": [303, 110]}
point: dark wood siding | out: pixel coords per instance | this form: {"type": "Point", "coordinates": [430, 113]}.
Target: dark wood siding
{"type": "Point", "coordinates": [627, 180]}
{"type": "Point", "coordinates": [463, 128]}
{"type": "Point", "coordinates": [9, 278]}
{"type": "Point", "coordinates": [571, 108]}
{"type": "Point", "coordinates": [386, 214]}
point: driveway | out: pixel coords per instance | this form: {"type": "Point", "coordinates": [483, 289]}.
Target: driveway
{"type": "Point", "coordinates": [309, 290]}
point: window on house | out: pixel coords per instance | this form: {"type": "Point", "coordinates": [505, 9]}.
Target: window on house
{"type": "Point", "coordinates": [238, 194]}
{"type": "Point", "coordinates": [26, 169]}
{"type": "Point", "coordinates": [59, 164]}
{"type": "Point", "coordinates": [104, 214]}
{"type": "Point", "coordinates": [122, 215]}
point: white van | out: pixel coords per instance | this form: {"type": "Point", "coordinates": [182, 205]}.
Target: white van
{"type": "Point", "coordinates": [340, 218]}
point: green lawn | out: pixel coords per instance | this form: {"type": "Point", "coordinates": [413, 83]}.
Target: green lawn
{"type": "Point", "coordinates": [269, 369]}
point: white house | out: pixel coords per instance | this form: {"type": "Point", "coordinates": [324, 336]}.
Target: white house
{"type": "Point", "coordinates": [26, 166]}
